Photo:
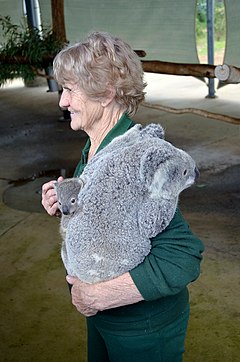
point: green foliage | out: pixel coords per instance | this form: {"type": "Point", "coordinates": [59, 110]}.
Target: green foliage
{"type": "Point", "coordinates": [201, 20]}
{"type": "Point", "coordinates": [25, 50]}
{"type": "Point", "coordinates": [201, 11]}
{"type": "Point", "coordinates": [220, 22]}
{"type": "Point", "coordinates": [219, 27]}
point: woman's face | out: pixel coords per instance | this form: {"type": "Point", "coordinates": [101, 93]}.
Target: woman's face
{"type": "Point", "coordinates": [83, 110]}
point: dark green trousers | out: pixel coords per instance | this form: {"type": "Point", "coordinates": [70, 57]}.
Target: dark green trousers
{"type": "Point", "coordinates": [153, 338]}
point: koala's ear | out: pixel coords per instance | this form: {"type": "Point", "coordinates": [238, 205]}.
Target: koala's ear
{"type": "Point", "coordinates": [55, 185]}
{"type": "Point", "coordinates": [154, 130]}
{"type": "Point", "coordinates": [151, 161]}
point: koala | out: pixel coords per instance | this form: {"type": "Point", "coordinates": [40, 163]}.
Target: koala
{"type": "Point", "coordinates": [67, 194]}
{"type": "Point", "coordinates": [130, 194]}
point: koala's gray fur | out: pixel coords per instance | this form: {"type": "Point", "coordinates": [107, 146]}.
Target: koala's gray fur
{"type": "Point", "coordinates": [130, 194]}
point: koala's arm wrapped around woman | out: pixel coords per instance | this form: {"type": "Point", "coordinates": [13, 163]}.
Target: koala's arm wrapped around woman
{"type": "Point", "coordinates": [173, 263]}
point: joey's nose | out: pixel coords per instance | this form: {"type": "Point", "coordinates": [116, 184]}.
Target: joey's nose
{"type": "Point", "coordinates": [197, 173]}
{"type": "Point", "coordinates": [65, 210]}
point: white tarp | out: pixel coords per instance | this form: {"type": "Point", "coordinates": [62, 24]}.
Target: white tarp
{"type": "Point", "coordinates": [232, 52]}
{"type": "Point", "coordinates": [14, 9]}
{"type": "Point", "coordinates": [164, 29]}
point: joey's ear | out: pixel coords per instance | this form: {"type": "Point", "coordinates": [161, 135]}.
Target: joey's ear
{"type": "Point", "coordinates": [151, 161]}
{"type": "Point", "coordinates": [55, 185]}
{"type": "Point", "coordinates": [81, 182]}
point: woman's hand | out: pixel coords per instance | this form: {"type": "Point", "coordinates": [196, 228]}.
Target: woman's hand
{"type": "Point", "coordinates": [83, 296]}
{"type": "Point", "coordinates": [49, 198]}
{"type": "Point", "coordinates": [91, 298]}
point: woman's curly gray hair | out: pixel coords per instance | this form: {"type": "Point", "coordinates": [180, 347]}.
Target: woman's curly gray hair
{"type": "Point", "coordinates": [100, 63]}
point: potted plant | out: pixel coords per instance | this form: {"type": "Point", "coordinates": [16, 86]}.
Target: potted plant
{"type": "Point", "coordinates": [26, 52]}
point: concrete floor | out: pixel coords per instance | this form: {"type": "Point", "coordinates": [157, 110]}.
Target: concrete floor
{"type": "Point", "coordinates": [38, 322]}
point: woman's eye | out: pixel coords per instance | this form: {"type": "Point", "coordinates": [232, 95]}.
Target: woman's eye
{"type": "Point", "coordinates": [67, 89]}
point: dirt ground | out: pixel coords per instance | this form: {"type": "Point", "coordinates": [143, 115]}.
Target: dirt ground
{"type": "Point", "coordinates": [38, 322]}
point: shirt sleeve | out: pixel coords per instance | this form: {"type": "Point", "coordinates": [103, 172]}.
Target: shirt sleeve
{"type": "Point", "coordinates": [173, 262]}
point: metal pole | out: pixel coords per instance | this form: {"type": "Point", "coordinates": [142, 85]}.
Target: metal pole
{"type": "Point", "coordinates": [210, 44]}
{"type": "Point", "coordinates": [33, 14]}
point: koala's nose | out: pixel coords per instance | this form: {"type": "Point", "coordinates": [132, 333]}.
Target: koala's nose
{"type": "Point", "coordinates": [197, 173]}
{"type": "Point", "coordinates": [65, 210]}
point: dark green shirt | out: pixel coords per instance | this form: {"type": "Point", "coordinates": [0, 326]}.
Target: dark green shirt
{"type": "Point", "coordinates": [174, 260]}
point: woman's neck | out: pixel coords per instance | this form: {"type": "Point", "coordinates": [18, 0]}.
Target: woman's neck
{"type": "Point", "coordinates": [102, 128]}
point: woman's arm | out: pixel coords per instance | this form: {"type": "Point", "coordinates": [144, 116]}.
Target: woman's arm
{"type": "Point", "coordinates": [91, 298]}
{"type": "Point", "coordinates": [174, 262]}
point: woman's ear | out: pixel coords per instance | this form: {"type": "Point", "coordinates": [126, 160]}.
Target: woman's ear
{"type": "Point", "coordinates": [110, 96]}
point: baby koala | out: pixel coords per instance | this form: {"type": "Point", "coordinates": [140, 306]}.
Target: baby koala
{"type": "Point", "coordinates": [67, 194]}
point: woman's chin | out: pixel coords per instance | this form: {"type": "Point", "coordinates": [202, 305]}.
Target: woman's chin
{"type": "Point", "coordinates": [75, 126]}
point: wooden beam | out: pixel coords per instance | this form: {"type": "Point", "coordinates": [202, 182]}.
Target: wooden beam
{"type": "Point", "coordinates": [58, 21]}
{"type": "Point", "coordinates": [227, 73]}
{"type": "Point", "coordinates": [140, 53]}
{"type": "Point", "coordinates": [24, 60]}
{"type": "Point", "coordinates": [195, 70]}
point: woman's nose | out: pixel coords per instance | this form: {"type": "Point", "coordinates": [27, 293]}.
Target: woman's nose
{"type": "Point", "coordinates": [64, 100]}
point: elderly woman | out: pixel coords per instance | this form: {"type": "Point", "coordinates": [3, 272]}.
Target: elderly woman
{"type": "Point", "coordinates": [141, 315]}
